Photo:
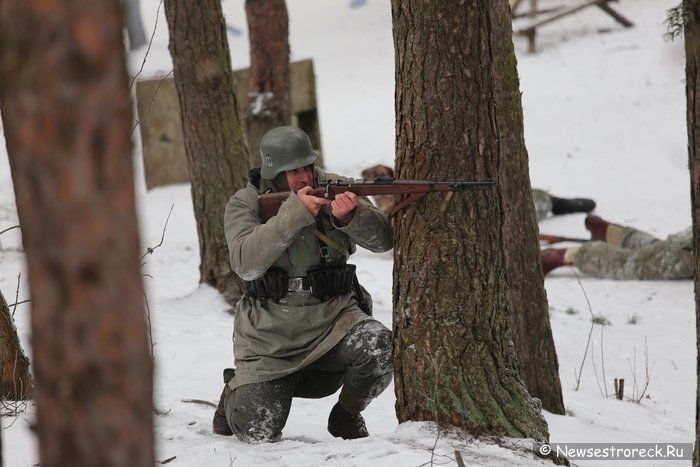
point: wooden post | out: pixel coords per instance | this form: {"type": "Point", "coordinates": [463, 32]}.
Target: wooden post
{"type": "Point", "coordinates": [533, 8]}
{"type": "Point", "coordinates": [619, 388]}
{"type": "Point", "coordinates": [531, 30]}
{"type": "Point", "coordinates": [603, 5]}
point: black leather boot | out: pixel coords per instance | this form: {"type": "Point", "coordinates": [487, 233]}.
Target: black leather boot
{"type": "Point", "coordinates": [346, 425]}
{"type": "Point", "coordinates": [220, 424]}
{"type": "Point", "coordinates": [571, 205]}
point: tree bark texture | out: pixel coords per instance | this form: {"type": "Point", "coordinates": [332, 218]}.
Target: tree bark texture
{"type": "Point", "coordinates": [692, 90]}
{"type": "Point", "coordinates": [15, 379]}
{"type": "Point", "coordinates": [269, 104]}
{"type": "Point", "coordinates": [217, 154]}
{"type": "Point", "coordinates": [454, 359]}
{"type": "Point", "coordinates": [529, 309]}
{"type": "Point", "coordinates": [67, 114]}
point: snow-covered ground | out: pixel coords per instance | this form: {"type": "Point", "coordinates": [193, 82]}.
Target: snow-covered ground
{"type": "Point", "coordinates": [604, 118]}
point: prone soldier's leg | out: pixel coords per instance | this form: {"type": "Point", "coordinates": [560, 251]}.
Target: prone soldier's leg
{"type": "Point", "coordinates": [543, 203]}
{"type": "Point", "coordinates": [659, 260]}
{"type": "Point", "coordinates": [628, 237]}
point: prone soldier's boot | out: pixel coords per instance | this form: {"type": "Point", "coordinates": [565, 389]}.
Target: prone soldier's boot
{"type": "Point", "coordinates": [597, 227]}
{"type": "Point", "coordinates": [571, 205]}
{"type": "Point", "coordinates": [552, 258]}
{"type": "Point", "coordinates": [220, 424]}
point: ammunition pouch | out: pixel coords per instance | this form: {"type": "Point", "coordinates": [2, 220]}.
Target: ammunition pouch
{"type": "Point", "coordinates": [323, 283]}
{"type": "Point", "coordinates": [272, 285]}
{"type": "Point", "coordinates": [331, 281]}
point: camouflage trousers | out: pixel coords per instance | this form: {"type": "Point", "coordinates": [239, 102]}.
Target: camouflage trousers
{"type": "Point", "coordinates": [630, 254]}
{"type": "Point", "coordinates": [360, 363]}
{"type": "Point", "coordinates": [543, 203]}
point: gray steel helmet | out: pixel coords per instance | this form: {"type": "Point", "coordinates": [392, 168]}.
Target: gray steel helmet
{"type": "Point", "coordinates": [284, 148]}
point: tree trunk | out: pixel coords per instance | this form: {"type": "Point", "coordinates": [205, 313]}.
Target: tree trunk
{"type": "Point", "coordinates": [692, 90]}
{"type": "Point", "coordinates": [529, 310]}
{"type": "Point", "coordinates": [268, 91]}
{"type": "Point", "coordinates": [217, 155]}
{"type": "Point", "coordinates": [454, 358]}
{"type": "Point", "coordinates": [67, 113]}
{"type": "Point", "coordinates": [15, 380]}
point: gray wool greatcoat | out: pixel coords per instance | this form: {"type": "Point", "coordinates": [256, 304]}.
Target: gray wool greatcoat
{"type": "Point", "coordinates": [274, 338]}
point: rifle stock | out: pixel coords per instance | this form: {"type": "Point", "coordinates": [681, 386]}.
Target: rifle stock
{"type": "Point", "coordinates": [328, 189]}
{"type": "Point", "coordinates": [548, 239]}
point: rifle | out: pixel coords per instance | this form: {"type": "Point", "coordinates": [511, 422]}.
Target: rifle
{"type": "Point", "coordinates": [548, 239]}
{"type": "Point", "coordinates": [328, 189]}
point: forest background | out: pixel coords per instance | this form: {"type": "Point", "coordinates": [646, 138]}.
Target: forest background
{"type": "Point", "coordinates": [604, 118]}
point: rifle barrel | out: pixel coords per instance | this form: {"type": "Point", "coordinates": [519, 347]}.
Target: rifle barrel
{"type": "Point", "coordinates": [329, 188]}
{"type": "Point", "coordinates": [271, 202]}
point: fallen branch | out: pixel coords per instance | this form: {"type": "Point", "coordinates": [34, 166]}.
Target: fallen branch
{"type": "Point", "coordinates": [157, 411]}
{"type": "Point", "coordinates": [198, 401]}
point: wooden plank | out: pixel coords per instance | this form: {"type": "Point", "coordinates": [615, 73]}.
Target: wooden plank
{"type": "Point", "coordinates": [557, 16]}
{"type": "Point", "coordinates": [533, 8]}
{"type": "Point", "coordinates": [603, 5]}
{"type": "Point", "coordinates": [538, 12]}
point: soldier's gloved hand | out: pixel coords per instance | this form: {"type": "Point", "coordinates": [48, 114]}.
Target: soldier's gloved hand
{"type": "Point", "coordinates": [343, 207]}
{"type": "Point", "coordinates": [312, 203]}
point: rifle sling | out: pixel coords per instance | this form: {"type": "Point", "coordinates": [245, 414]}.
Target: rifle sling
{"type": "Point", "coordinates": [330, 242]}
{"type": "Point", "coordinates": [357, 288]}
{"type": "Point", "coordinates": [411, 199]}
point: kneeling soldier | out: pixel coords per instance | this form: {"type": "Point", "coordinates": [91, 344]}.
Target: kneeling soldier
{"type": "Point", "coordinates": [301, 331]}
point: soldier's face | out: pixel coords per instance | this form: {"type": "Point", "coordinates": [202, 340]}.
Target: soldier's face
{"type": "Point", "coordinates": [299, 178]}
